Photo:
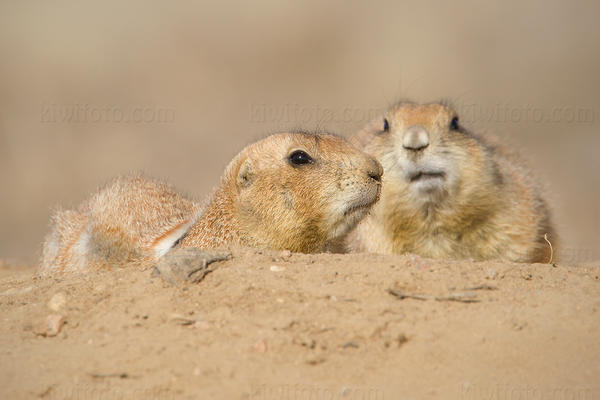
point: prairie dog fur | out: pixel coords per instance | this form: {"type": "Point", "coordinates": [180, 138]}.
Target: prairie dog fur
{"type": "Point", "coordinates": [448, 193]}
{"type": "Point", "coordinates": [295, 191]}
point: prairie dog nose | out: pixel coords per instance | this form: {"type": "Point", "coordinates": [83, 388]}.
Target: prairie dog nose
{"type": "Point", "coordinates": [415, 138]}
{"type": "Point", "coordinates": [374, 170]}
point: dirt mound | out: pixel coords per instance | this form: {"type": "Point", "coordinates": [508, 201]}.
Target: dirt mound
{"type": "Point", "coordinates": [268, 325]}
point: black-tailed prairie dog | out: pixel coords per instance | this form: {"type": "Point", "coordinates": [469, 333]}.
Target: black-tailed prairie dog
{"type": "Point", "coordinates": [294, 191]}
{"type": "Point", "coordinates": [448, 193]}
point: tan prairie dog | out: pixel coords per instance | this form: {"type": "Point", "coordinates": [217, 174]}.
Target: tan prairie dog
{"type": "Point", "coordinates": [448, 193]}
{"type": "Point", "coordinates": [294, 191]}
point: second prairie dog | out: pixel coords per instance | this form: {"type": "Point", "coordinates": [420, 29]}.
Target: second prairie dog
{"type": "Point", "coordinates": [448, 193]}
{"type": "Point", "coordinates": [296, 191]}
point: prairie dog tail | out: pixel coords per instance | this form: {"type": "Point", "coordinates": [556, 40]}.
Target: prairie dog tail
{"type": "Point", "coordinates": [65, 246]}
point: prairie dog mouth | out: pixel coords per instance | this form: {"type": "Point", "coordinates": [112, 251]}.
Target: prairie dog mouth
{"type": "Point", "coordinates": [349, 212]}
{"type": "Point", "coordinates": [364, 203]}
{"type": "Point", "coordinates": [424, 175]}
{"type": "Point", "coordinates": [359, 206]}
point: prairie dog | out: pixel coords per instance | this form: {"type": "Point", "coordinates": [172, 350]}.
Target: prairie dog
{"type": "Point", "coordinates": [448, 193]}
{"type": "Point", "coordinates": [295, 191]}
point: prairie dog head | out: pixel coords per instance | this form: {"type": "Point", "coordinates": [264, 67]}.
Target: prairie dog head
{"type": "Point", "coordinates": [426, 154]}
{"type": "Point", "coordinates": [301, 191]}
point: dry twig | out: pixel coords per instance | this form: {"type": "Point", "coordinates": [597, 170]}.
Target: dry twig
{"type": "Point", "coordinates": [551, 249]}
{"type": "Point", "coordinates": [460, 297]}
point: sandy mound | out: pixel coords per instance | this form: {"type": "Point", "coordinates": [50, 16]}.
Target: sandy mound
{"type": "Point", "coordinates": [277, 326]}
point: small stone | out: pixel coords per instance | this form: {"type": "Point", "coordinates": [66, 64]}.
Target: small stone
{"type": "Point", "coordinates": [401, 339]}
{"type": "Point", "coordinates": [276, 268]}
{"type": "Point", "coordinates": [285, 254]}
{"type": "Point", "coordinates": [316, 361]}
{"type": "Point", "coordinates": [491, 274]}
{"type": "Point", "coordinates": [260, 346]}
{"type": "Point", "coordinates": [518, 326]}
{"type": "Point", "coordinates": [49, 326]}
{"type": "Point", "coordinates": [57, 301]}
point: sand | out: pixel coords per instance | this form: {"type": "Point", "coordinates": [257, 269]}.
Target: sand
{"type": "Point", "coordinates": [270, 325]}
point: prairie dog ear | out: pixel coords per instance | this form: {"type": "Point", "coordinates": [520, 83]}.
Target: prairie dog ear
{"type": "Point", "coordinates": [245, 175]}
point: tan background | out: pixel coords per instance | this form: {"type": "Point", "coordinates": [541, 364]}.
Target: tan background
{"type": "Point", "coordinates": [229, 73]}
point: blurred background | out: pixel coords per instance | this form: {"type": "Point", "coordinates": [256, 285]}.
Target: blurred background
{"type": "Point", "coordinates": [89, 90]}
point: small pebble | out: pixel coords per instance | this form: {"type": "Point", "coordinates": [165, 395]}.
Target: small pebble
{"type": "Point", "coordinates": [49, 326]}
{"type": "Point", "coordinates": [260, 346]}
{"type": "Point", "coordinates": [57, 301]}
{"type": "Point", "coordinates": [286, 254]}
{"type": "Point", "coordinates": [276, 268]}
{"type": "Point", "coordinates": [491, 274]}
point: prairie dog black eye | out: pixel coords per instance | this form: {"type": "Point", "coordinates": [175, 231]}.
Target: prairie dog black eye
{"type": "Point", "coordinates": [386, 125]}
{"type": "Point", "coordinates": [454, 124]}
{"type": "Point", "coordinates": [300, 157]}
